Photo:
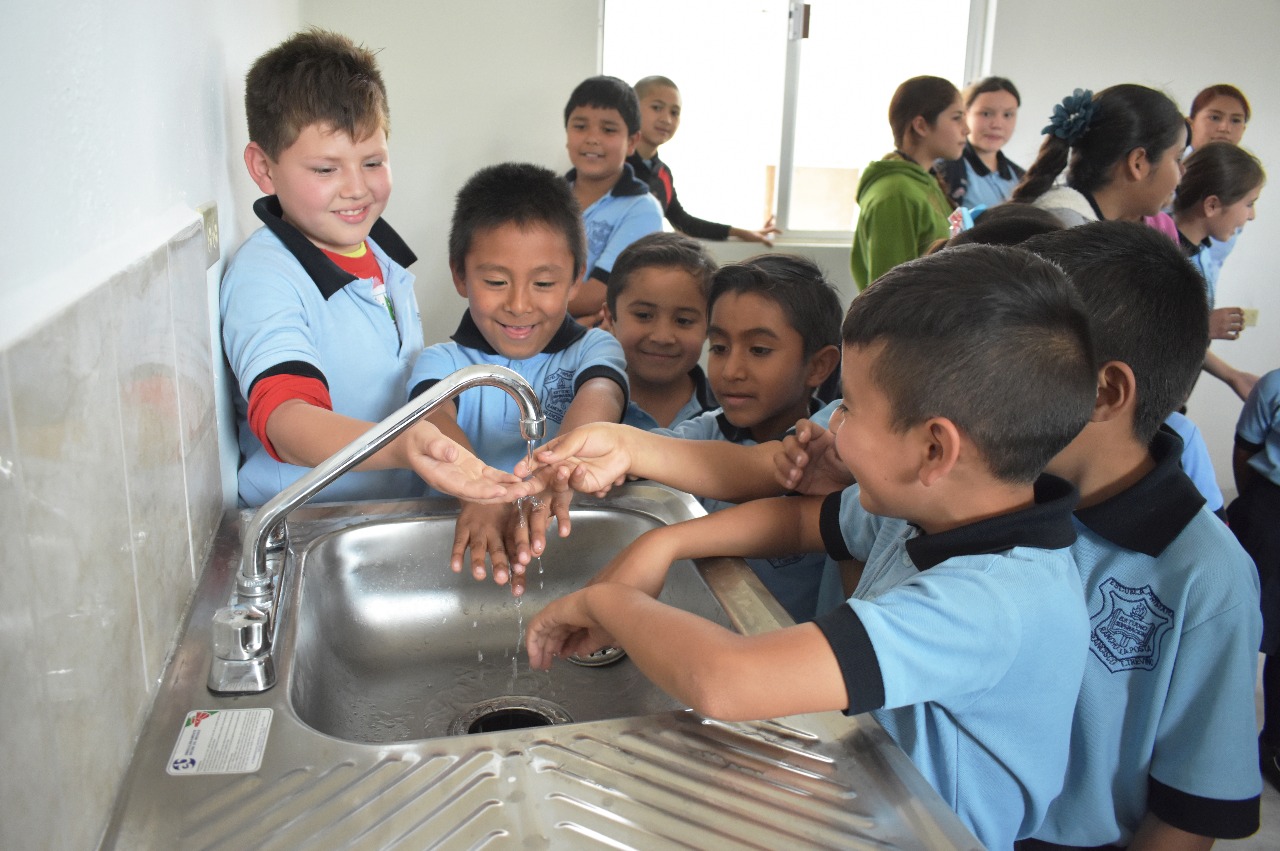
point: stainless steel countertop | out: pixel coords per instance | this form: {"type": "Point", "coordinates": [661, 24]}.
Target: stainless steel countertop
{"type": "Point", "coordinates": [667, 780]}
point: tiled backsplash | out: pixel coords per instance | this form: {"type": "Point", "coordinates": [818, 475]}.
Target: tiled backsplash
{"type": "Point", "coordinates": [109, 498]}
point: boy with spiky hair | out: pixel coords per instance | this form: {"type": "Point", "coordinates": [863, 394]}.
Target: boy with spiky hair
{"type": "Point", "coordinates": [963, 373]}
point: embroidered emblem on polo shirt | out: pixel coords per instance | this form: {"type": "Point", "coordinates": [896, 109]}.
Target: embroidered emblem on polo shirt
{"type": "Point", "coordinates": [1128, 628]}
{"type": "Point", "coordinates": [557, 393]}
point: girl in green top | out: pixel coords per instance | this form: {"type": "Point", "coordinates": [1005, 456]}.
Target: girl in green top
{"type": "Point", "coordinates": [902, 208]}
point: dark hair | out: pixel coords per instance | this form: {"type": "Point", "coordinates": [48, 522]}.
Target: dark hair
{"type": "Point", "coordinates": [664, 251]}
{"type": "Point", "coordinates": [606, 93]}
{"type": "Point", "coordinates": [796, 285]}
{"type": "Point", "coordinates": [515, 193]}
{"type": "Point", "coordinates": [1126, 117]}
{"type": "Point", "coordinates": [644, 85]}
{"type": "Point", "coordinates": [990, 337]}
{"type": "Point", "coordinates": [990, 84]}
{"type": "Point", "coordinates": [1146, 306]}
{"type": "Point", "coordinates": [924, 96]}
{"type": "Point", "coordinates": [1218, 168]}
{"type": "Point", "coordinates": [1205, 95]}
{"type": "Point", "coordinates": [314, 77]}
{"type": "Point", "coordinates": [1007, 224]}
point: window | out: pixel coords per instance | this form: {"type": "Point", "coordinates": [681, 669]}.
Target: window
{"type": "Point", "coordinates": [755, 99]}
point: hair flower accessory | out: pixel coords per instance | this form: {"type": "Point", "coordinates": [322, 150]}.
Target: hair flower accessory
{"type": "Point", "coordinates": [1071, 118]}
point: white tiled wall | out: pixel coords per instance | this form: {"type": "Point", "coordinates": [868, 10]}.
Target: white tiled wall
{"type": "Point", "coordinates": [109, 498]}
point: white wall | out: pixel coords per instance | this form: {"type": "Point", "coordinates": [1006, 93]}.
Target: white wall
{"type": "Point", "coordinates": [1049, 48]}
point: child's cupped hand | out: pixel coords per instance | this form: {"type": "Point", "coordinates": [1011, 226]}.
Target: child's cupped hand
{"type": "Point", "coordinates": [455, 470]}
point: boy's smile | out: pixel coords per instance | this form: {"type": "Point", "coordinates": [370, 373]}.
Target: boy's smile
{"type": "Point", "coordinates": [661, 324]}
{"type": "Point", "coordinates": [756, 365]}
{"type": "Point", "coordinates": [517, 282]}
{"type": "Point", "coordinates": [330, 188]}
{"type": "Point", "coordinates": [598, 143]}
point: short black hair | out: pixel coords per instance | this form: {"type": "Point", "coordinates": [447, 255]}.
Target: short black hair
{"type": "Point", "coordinates": [522, 194]}
{"type": "Point", "coordinates": [990, 337]}
{"type": "Point", "coordinates": [1007, 224]}
{"type": "Point", "coordinates": [659, 250]}
{"type": "Point", "coordinates": [796, 285]}
{"type": "Point", "coordinates": [605, 92]}
{"type": "Point", "coordinates": [1146, 304]}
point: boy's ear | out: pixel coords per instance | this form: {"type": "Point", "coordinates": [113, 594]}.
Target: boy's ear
{"type": "Point", "coordinates": [631, 143]}
{"type": "Point", "coordinates": [260, 167]}
{"type": "Point", "coordinates": [1117, 392]}
{"type": "Point", "coordinates": [821, 364]}
{"type": "Point", "coordinates": [942, 444]}
{"type": "Point", "coordinates": [459, 280]}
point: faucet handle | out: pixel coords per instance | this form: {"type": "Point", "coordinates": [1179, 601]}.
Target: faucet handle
{"type": "Point", "coordinates": [239, 632]}
{"type": "Point", "coordinates": [242, 659]}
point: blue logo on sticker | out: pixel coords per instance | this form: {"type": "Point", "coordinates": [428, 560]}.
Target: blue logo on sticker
{"type": "Point", "coordinates": [557, 393]}
{"type": "Point", "coordinates": [184, 763]}
{"type": "Point", "coordinates": [1128, 628]}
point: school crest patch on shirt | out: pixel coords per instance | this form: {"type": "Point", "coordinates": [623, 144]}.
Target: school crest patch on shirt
{"type": "Point", "coordinates": [557, 393]}
{"type": "Point", "coordinates": [1127, 630]}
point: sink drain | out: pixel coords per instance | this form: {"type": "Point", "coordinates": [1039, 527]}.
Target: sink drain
{"type": "Point", "coordinates": [601, 657]}
{"type": "Point", "coordinates": [512, 712]}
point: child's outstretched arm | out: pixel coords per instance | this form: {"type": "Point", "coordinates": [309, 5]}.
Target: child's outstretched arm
{"type": "Point", "coordinates": [597, 456]}
{"type": "Point", "coordinates": [306, 435]}
{"type": "Point", "coordinates": [713, 670]}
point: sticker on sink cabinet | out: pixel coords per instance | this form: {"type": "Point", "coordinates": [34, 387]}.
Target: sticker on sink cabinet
{"type": "Point", "coordinates": [221, 741]}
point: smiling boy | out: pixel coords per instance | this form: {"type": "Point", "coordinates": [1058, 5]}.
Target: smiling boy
{"type": "Point", "coordinates": [516, 253]}
{"type": "Point", "coordinates": [978, 653]}
{"type": "Point", "coordinates": [319, 318]}
{"type": "Point", "coordinates": [602, 125]}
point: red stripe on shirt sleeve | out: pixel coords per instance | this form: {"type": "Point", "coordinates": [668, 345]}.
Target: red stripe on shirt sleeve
{"type": "Point", "coordinates": [268, 394]}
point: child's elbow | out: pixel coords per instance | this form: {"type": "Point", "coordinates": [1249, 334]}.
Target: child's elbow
{"type": "Point", "coordinates": [714, 691]}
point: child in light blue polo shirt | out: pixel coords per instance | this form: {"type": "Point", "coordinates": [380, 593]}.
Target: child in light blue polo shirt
{"type": "Point", "coordinates": [657, 307]}
{"type": "Point", "coordinates": [773, 337]}
{"type": "Point", "coordinates": [602, 126]}
{"type": "Point", "coordinates": [1255, 519]}
{"type": "Point", "coordinates": [516, 253]}
{"type": "Point", "coordinates": [1164, 739]}
{"type": "Point", "coordinates": [963, 373]}
{"type": "Point", "coordinates": [319, 319]}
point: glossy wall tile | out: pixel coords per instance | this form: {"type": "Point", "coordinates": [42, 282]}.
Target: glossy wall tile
{"type": "Point", "coordinates": [109, 496]}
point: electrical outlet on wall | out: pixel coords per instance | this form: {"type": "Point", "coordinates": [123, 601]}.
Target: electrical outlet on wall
{"type": "Point", "coordinates": [209, 212]}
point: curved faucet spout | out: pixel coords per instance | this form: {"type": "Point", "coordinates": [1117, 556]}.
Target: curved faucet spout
{"type": "Point", "coordinates": [254, 580]}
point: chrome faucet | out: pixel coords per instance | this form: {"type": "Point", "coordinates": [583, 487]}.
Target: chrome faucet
{"type": "Point", "coordinates": [244, 632]}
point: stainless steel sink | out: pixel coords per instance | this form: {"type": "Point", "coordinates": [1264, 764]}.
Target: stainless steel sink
{"type": "Point", "coordinates": [390, 645]}
{"type": "Point", "coordinates": [378, 653]}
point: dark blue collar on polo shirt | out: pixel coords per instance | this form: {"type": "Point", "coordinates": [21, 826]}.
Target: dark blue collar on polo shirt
{"type": "Point", "coordinates": [468, 335]}
{"type": "Point", "coordinates": [1003, 166]}
{"type": "Point", "coordinates": [327, 275]}
{"type": "Point", "coordinates": [1045, 525]}
{"type": "Point", "coordinates": [1189, 248]}
{"type": "Point", "coordinates": [628, 183]}
{"type": "Point", "coordinates": [733, 434]}
{"type": "Point", "coordinates": [1148, 516]}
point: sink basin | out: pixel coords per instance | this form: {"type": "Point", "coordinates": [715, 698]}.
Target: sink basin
{"type": "Point", "coordinates": [390, 645]}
